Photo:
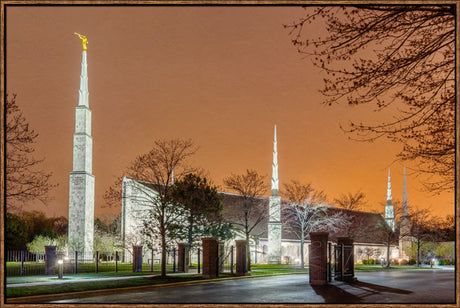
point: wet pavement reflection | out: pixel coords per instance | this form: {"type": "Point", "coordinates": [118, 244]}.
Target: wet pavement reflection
{"type": "Point", "coordinates": [417, 286]}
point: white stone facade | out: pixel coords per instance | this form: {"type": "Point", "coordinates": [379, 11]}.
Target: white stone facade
{"type": "Point", "coordinates": [274, 230]}
{"type": "Point", "coordinates": [134, 210]}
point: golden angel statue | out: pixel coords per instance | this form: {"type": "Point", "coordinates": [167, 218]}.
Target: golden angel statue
{"type": "Point", "coordinates": [84, 40]}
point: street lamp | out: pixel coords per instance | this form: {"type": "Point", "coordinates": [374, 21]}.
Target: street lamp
{"type": "Point", "coordinates": [60, 269]}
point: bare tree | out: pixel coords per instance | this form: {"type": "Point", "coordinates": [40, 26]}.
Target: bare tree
{"type": "Point", "coordinates": [251, 210]}
{"type": "Point", "coordinates": [351, 201]}
{"type": "Point", "coordinates": [364, 225]}
{"type": "Point", "coordinates": [113, 194]}
{"type": "Point", "coordinates": [395, 57]}
{"type": "Point", "coordinates": [24, 180]}
{"type": "Point", "coordinates": [305, 213]}
{"type": "Point", "coordinates": [152, 191]}
{"type": "Point", "coordinates": [423, 228]}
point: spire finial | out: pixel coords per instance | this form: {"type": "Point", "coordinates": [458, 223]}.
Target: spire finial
{"type": "Point", "coordinates": [84, 40]}
{"type": "Point", "coordinates": [275, 180]}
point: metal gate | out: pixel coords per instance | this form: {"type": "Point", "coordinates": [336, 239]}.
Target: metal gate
{"type": "Point", "coordinates": [225, 262]}
{"type": "Point", "coordinates": [344, 267]}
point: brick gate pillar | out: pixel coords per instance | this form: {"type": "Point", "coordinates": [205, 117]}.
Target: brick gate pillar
{"type": "Point", "coordinates": [137, 259]}
{"type": "Point", "coordinates": [50, 260]}
{"type": "Point", "coordinates": [318, 258]}
{"type": "Point", "coordinates": [182, 257]}
{"type": "Point", "coordinates": [241, 257]}
{"type": "Point", "coordinates": [210, 257]}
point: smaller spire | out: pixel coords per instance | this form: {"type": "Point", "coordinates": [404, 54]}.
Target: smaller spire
{"type": "Point", "coordinates": [275, 180]}
{"type": "Point", "coordinates": [404, 206]}
{"type": "Point", "coordinates": [389, 188]}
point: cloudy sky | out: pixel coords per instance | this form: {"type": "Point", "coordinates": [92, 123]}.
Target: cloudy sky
{"type": "Point", "coordinates": [222, 76]}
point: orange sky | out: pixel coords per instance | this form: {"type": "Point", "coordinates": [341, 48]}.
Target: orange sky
{"type": "Point", "coordinates": [223, 76]}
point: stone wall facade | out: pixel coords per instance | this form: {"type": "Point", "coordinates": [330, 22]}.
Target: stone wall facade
{"type": "Point", "coordinates": [274, 230]}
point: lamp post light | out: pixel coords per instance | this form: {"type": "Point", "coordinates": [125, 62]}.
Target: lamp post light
{"type": "Point", "coordinates": [60, 270]}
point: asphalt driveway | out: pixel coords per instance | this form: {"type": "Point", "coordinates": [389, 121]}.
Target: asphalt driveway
{"type": "Point", "coordinates": [415, 286]}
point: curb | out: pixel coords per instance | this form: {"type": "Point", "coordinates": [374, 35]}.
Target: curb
{"type": "Point", "coordinates": [48, 297]}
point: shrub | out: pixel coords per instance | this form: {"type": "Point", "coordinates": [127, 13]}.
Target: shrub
{"type": "Point", "coordinates": [412, 261]}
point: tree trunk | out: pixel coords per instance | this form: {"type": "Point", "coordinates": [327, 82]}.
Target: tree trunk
{"type": "Point", "coordinates": [388, 249]}
{"type": "Point", "coordinates": [302, 264]}
{"type": "Point", "coordinates": [163, 254]}
{"type": "Point", "coordinates": [418, 252]}
{"type": "Point", "coordinates": [248, 247]}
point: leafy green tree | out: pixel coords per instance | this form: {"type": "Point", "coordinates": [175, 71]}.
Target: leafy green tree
{"type": "Point", "coordinates": [16, 233]}
{"type": "Point", "coordinates": [99, 226]}
{"type": "Point", "coordinates": [202, 207]}
{"type": "Point", "coordinates": [105, 241]}
{"type": "Point", "coordinates": [40, 241]}
{"type": "Point", "coordinates": [446, 250]}
{"type": "Point", "coordinates": [39, 223]}
{"type": "Point", "coordinates": [399, 58]}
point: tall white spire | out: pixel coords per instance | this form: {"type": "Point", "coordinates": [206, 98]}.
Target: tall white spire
{"type": "Point", "coordinates": [389, 188]}
{"type": "Point", "coordinates": [83, 94]}
{"type": "Point", "coordinates": [389, 209]}
{"type": "Point", "coordinates": [81, 186]}
{"type": "Point", "coordinates": [275, 180]}
{"type": "Point", "coordinates": [404, 206]}
{"type": "Point", "coordinates": [274, 213]}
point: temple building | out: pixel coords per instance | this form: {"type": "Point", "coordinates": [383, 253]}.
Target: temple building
{"type": "Point", "coordinates": [271, 239]}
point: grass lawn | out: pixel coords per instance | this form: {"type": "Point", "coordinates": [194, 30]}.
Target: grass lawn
{"type": "Point", "coordinates": [32, 279]}
{"type": "Point", "coordinates": [270, 269]}
{"type": "Point", "coordinates": [95, 285]}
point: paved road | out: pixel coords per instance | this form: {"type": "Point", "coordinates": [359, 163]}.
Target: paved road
{"type": "Point", "coordinates": [418, 286]}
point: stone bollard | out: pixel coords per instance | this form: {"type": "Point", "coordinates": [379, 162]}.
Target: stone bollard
{"type": "Point", "coordinates": [137, 259]}
{"type": "Point", "coordinates": [50, 260]}
{"type": "Point", "coordinates": [182, 257]}
{"type": "Point", "coordinates": [210, 257]}
{"type": "Point", "coordinates": [241, 257]}
{"type": "Point", "coordinates": [318, 258]}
